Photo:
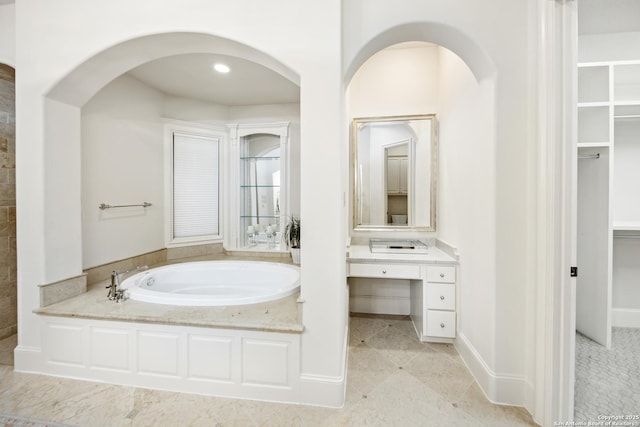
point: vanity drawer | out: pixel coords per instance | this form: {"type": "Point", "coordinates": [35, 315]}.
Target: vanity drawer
{"type": "Point", "coordinates": [392, 271]}
{"type": "Point", "coordinates": [441, 324]}
{"type": "Point", "coordinates": [441, 296]}
{"type": "Point", "coordinates": [441, 274]}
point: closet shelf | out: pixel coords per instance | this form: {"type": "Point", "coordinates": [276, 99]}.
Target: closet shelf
{"type": "Point", "coordinates": [593, 104]}
{"type": "Point", "coordinates": [626, 226]}
{"type": "Point", "coordinates": [260, 158]}
{"type": "Point", "coordinates": [593, 144]}
{"type": "Point", "coordinates": [630, 103]}
{"type": "Point", "coordinates": [627, 117]}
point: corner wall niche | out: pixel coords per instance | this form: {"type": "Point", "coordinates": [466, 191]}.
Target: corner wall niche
{"type": "Point", "coordinates": [259, 186]}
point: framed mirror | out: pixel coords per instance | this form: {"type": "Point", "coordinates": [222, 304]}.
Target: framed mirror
{"type": "Point", "coordinates": [394, 172]}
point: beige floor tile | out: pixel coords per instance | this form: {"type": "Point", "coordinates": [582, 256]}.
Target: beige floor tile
{"type": "Point", "coordinates": [367, 368]}
{"type": "Point", "coordinates": [362, 328]}
{"type": "Point", "coordinates": [392, 380]}
{"type": "Point", "coordinates": [396, 346]}
{"type": "Point", "coordinates": [442, 373]}
{"type": "Point", "coordinates": [475, 403]}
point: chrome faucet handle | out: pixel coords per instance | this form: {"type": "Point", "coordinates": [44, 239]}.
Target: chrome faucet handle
{"type": "Point", "coordinates": [119, 296]}
{"type": "Point", "coordinates": [115, 293]}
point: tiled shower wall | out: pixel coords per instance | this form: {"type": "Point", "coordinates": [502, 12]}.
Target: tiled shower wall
{"type": "Point", "coordinates": [8, 290]}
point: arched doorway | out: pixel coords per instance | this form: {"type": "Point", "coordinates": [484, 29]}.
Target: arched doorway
{"type": "Point", "coordinates": [457, 82]}
{"type": "Point", "coordinates": [63, 113]}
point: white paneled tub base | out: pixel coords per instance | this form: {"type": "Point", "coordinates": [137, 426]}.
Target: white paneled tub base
{"type": "Point", "coordinates": [219, 362]}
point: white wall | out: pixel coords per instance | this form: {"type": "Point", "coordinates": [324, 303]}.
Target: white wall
{"type": "Point", "coordinates": [122, 164]}
{"type": "Point", "coordinates": [196, 111]}
{"type": "Point", "coordinates": [467, 195]}
{"type": "Point", "coordinates": [402, 80]}
{"type": "Point", "coordinates": [8, 34]}
{"type": "Point", "coordinates": [298, 39]}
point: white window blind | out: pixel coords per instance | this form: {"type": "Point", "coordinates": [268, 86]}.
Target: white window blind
{"type": "Point", "coordinates": [195, 185]}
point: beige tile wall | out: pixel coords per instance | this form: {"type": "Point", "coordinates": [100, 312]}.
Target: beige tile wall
{"type": "Point", "coordinates": [8, 291]}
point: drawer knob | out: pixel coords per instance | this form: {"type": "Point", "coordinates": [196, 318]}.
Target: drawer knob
{"type": "Point", "coordinates": [441, 297]}
{"type": "Point", "coordinates": [442, 325]}
{"type": "Point", "coordinates": [441, 274]}
{"type": "Point", "coordinates": [384, 271]}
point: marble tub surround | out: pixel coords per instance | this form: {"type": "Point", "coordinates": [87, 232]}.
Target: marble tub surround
{"type": "Point", "coordinates": [388, 383]}
{"type": "Point", "coordinates": [59, 291]}
{"type": "Point", "coordinates": [282, 315]}
{"type": "Point", "coordinates": [84, 296]}
{"type": "Point", "coordinates": [103, 272]}
{"type": "Point", "coordinates": [176, 253]}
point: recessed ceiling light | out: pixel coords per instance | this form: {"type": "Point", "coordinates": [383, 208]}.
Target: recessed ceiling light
{"type": "Point", "coordinates": [221, 68]}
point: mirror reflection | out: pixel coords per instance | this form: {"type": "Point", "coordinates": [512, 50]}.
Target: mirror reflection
{"type": "Point", "coordinates": [394, 172]}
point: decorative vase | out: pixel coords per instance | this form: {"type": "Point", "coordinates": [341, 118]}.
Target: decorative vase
{"type": "Point", "coordinates": [295, 254]}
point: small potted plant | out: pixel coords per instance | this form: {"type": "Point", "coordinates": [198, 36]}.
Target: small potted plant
{"type": "Point", "coordinates": [291, 236]}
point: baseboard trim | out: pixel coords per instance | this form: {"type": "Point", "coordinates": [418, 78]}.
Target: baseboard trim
{"type": "Point", "coordinates": [501, 389]}
{"type": "Point", "coordinates": [324, 390]}
{"type": "Point", "coordinates": [27, 359]}
{"type": "Point", "coordinates": [625, 317]}
{"type": "Point", "coordinates": [320, 390]}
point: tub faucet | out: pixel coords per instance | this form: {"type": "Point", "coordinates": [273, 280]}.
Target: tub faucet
{"type": "Point", "coordinates": [115, 293]}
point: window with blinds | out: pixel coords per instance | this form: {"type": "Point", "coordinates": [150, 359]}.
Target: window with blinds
{"type": "Point", "coordinates": [195, 186]}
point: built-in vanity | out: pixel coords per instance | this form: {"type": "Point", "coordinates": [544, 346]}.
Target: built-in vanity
{"type": "Point", "coordinates": [394, 195]}
{"type": "Point", "coordinates": [431, 276]}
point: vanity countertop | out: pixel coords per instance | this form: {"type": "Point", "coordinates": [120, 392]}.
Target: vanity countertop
{"type": "Point", "coordinates": [362, 254]}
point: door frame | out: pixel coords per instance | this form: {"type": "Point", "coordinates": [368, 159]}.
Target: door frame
{"type": "Point", "coordinates": [557, 205]}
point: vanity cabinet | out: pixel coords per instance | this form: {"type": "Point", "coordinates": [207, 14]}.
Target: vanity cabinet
{"type": "Point", "coordinates": [431, 279]}
{"type": "Point", "coordinates": [439, 303]}
{"type": "Point", "coordinates": [397, 175]}
{"type": "Point", "coordinates": [385, 271]}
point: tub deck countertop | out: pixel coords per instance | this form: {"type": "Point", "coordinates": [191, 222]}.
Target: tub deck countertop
{"type": "Point", "coordinates": [283, 315]}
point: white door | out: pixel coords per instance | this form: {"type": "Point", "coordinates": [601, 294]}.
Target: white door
{"type": "Point", "coordinates": [594, 246]}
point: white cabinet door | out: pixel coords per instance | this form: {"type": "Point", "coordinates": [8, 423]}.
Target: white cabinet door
{"type": "Point", "coordinates": [397, 175]}
{"type": "Point", "coordinates": [594, 234]}
{"type": "Point", "coordinates": [393, 175]}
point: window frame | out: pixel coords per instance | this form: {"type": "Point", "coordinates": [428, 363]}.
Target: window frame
{"type": "Point", "coordinates": [198, 131]}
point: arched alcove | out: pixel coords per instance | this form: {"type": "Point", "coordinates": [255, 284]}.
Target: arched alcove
{"type": "Point", "coordinates": [462, 97]}
{"type": "Point", "coordinates": [88, 78]}
{"type": "Point", "coordinates": [63, 135]}
{"type": "Point", "coordinates": [440, 34]}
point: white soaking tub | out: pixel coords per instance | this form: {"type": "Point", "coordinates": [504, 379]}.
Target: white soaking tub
{"type": "Point", "coordinates": [214, 283]}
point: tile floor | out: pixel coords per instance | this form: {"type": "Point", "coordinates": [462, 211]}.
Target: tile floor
{"type": "Point", "coordinates": [393, 380]}
{"type": "Point", "coordinates": [608, 381]}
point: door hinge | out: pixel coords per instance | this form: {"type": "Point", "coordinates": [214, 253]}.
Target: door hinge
{"type": "Point", "coordinates": [574, 271]}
